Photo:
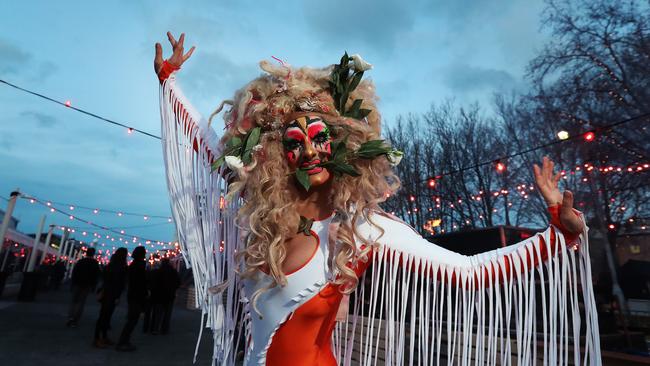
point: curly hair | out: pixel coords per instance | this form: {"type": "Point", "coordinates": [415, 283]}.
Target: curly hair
{"type": "Point", "coordinates": [268, 212]}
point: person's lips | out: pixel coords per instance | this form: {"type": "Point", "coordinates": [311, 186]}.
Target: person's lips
{"type": "Point", "coordinates": [311, 167]}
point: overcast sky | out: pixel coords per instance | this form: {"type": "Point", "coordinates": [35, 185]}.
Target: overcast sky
{"type": "Point", "coordinates": [99, 56]}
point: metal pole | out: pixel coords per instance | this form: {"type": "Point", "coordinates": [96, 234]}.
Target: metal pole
{"type": "Point", "coordinates": [70, 253]}
{"type": "Point", "coordinates": [68, 246]}
{"type": "Point", "coordinates": [48, 238]}
{"type": "Point", "coordinates": [27, 257]}
{"type": "Point", "coordinates": [69, 265]}
{"type": "Point", "coordinates": [13, 197]}
{"type": "Point", "coordinates": [64, 239]}
{"type": "Point", "coordinates": [37, 239]}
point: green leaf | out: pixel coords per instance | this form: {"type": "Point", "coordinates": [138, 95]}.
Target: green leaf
{"type": "Point", "coordinates": [340, 148]}
{"type": "Point", "coordinates": [252, 138]}
{"type": "Point", "coordinates": [347, 169]}
{"type": "Point", "coordinates": [345, 59]}
{"type": "Point", "coordinates": [353, 111]}
{"type": "Point", "coordinates": [372, 149]}
{"type": "Point", "coordinates": [218, 163]}
{"type": "Point", "coordinates": [233, 142]}
{"type": "Point", "coordinates": [342, 100]}
{"type": "Point", "coordinates": [363, 113]}
{"type": "Point", "coordinates": [305, 225]}
{"type": "Point", "coordinates": [355, 81]}
{"type": "Point", "coordinates": [303, 179]}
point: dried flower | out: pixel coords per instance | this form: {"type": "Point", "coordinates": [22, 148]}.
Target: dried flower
{"type": "Point", "coordinates": [360, 64]}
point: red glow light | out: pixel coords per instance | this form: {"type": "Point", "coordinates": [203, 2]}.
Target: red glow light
{"type": "Point", "coordinates": [589, 136]}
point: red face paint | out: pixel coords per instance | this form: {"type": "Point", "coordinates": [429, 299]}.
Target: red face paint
{"type": "Point", "coordinates": [307, 144]}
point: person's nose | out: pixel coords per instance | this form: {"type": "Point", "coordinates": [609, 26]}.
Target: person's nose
{"type": "Point", "coordinates": [310, 151]}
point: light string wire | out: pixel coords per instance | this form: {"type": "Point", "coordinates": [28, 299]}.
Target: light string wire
{"type": "Point", "coordinates": [101, 210]}
{"type": "Point", "coordinates": [79, 110]}
{"type": "Point", "coordinates": [487, 162]}
{"type": "Point", "coordinates": [124, 235]}
{"type": "Point", "coordinates": [599, 129]}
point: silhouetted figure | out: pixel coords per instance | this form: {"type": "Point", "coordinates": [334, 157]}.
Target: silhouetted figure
{"type": "Point", "coordinates": [57, 274]}
{"type": "Point", "coordinates": [137, 296]}
{"type": "Point", "coordinates": [114, 280]}
{"type": "Point", "coordinates": [165, 282]}
{"type": "Point", "coordinates": [148, 307]}
{"type": "Point", "coordinates": [83, 281]}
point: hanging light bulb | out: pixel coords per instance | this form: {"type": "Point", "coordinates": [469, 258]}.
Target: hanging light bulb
{"type": "Point", "coordinates": [563, 135]}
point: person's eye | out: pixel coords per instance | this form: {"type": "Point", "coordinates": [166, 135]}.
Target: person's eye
{"type": "Point", "coordinates": [321, 137]}
{"type": "Point", "coordinates": [291, 144]}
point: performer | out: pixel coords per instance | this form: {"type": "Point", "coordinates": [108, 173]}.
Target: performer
{"type": "Point", "coordinates": [280, 220]}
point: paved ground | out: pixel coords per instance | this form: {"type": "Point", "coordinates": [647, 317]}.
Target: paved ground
{"type": "Point", "coordinates": [35, 334]}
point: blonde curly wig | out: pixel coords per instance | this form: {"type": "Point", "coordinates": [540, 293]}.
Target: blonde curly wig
{"type": "Point", "coordinates": [268, 212]}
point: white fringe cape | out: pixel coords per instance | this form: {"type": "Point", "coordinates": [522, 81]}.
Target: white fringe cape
{"type": "Point", "coordinates": [410, 317]}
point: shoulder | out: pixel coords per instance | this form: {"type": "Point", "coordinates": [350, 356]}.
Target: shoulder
{"type": "Point", "coordinates": [382, 226]}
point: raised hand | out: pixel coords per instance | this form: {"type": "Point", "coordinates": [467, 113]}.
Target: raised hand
{"type": "Point", "coordinates": [177, 58]}
{"type": "Point", "coordinates": [547, 183]}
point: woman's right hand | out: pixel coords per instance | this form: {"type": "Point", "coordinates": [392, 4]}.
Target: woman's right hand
{"type": "Point", "coordinates": [177, 58]}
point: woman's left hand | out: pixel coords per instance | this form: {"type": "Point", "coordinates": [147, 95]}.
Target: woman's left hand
{"type": "Point", "coordinates": [547, 183]}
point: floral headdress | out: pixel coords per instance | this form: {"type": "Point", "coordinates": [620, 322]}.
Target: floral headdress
{"type": "Point", "coordinates": [292, 92]}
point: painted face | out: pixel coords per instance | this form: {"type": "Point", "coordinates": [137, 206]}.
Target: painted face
{"type": "Point", "coordinates": [307, 143]}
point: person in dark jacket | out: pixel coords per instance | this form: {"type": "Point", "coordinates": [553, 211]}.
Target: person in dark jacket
{"type": "Point", "coordinates": [57, 274]}
{"type": "Point", "coordinates": [114, 280]}
{"type": "Point", "coordinates": [165, 282]}
{"type": "Point", "coordinates": [83, 280]}
{"type": "Point", "coordinates": [136, 295]}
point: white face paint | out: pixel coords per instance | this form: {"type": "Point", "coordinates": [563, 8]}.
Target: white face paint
{"type": "Point", "coordinates": [307, 144]}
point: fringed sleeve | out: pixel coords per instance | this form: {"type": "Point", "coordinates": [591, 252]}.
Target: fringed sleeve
{"type": "Point", "coordinates": [204, 221]}
{"type": "Point", "coordinates": [420, 304]}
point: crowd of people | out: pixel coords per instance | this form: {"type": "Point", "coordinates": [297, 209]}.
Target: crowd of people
{"type": "Point", "coordinates": [150, 290]}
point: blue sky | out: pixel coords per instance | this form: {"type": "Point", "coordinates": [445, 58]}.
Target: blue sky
{"type": "Point", "coordinates": [99, 56]}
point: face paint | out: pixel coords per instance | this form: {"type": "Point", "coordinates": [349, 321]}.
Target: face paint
{"type": "Point", "coordinates": [307, 144]}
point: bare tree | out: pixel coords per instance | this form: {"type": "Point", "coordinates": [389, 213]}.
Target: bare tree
{"type": "Point", "coordinates": [444, 176]}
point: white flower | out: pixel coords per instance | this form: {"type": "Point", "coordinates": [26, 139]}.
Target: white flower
{"type": "Point", "coordinates": [234, 163]}
{"type": "Point", "coordinates": [394, 157]}
{"type": "Point", "coordinates": [360, 64]}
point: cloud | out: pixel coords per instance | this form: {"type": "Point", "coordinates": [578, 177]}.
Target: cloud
{"type": "Point", "coordinates": [12, 57]}
{"type": "Point", "coordinates": [346, 23]}
{"type": "Point", "coordinates": [214, 73]}
{"type": "Point", "coordinates": [16, 61]}
{"type": "Point", "coordinates": [6, 141]}
{"type": "Point", "coordinates": [43, 120]}
{"type": "Point", "coordinates": [466, 78]}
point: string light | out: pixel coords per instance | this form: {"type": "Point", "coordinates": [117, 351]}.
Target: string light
{"type": "Point", "coordinates": [68, 104]}
{"type": "Point", "coordinates": [602, 129]}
